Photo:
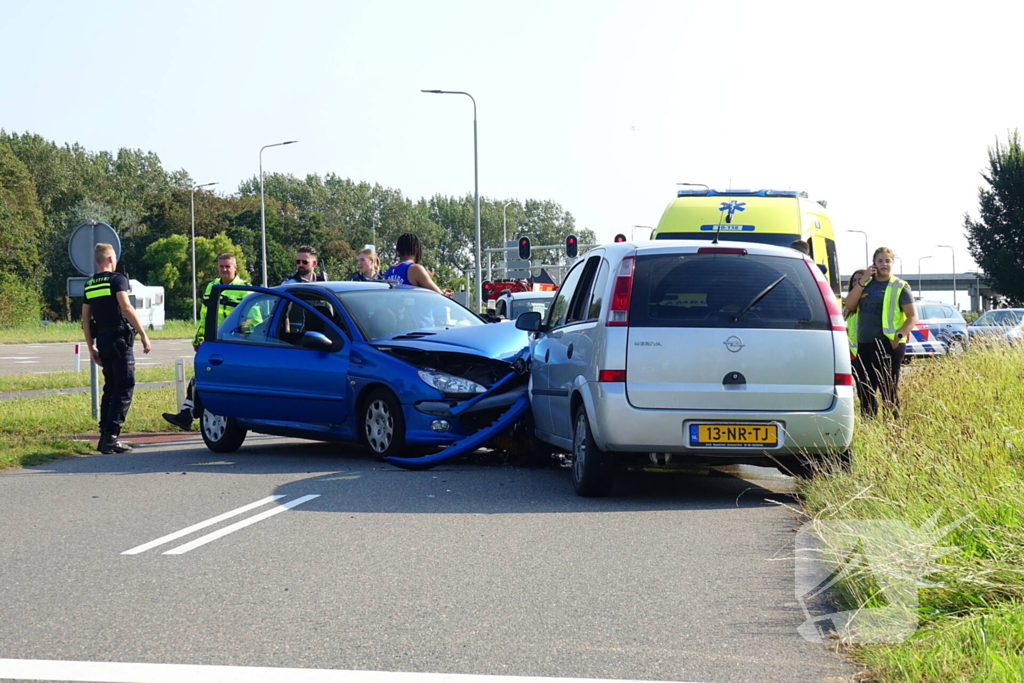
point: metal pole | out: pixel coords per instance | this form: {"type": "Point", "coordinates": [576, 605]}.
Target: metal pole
{"type": "Point", "coordinates": [263, 210]}
{"type": "Point", "coordinates": [952, 253]}
{"type": "Point", "coordinates": [866, 258]}
{"type": "Point", "coordinates": [504, 230]}
{"type": "Point", "coordinates": [94, 388]}
{"type": "Point", "coordinates": [920, 286]}
{"type": "Point", "coordinates": [195, 316]}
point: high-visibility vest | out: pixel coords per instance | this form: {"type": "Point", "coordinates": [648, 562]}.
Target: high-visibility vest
{"type": "Point", "coordinates": [893, 316]}
{"type": "Point", "coordinates": [851, 332]}
{"type": "Point", "coordinates": [228, 300]}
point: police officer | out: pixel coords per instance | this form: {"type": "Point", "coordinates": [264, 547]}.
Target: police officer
{"type": "Point", "coordinates": [305, 268]}
{"type": "Point", "coordinates": [108, 319]}
{"type": "Point", "coordinates": [227, 268]}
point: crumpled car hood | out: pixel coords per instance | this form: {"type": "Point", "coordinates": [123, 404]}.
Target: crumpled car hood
{"type": "Point", "coordinates": [501, 341]}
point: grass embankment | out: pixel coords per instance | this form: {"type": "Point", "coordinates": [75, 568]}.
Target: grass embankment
{"type": "Point", "coordinates": [69, 379]}
{"type": "Point", "coordinates": [37, 333]}
{"type": "Point", "coordinates": [957, 449]}
{"type": "Point", "coordinates": [37, 430]}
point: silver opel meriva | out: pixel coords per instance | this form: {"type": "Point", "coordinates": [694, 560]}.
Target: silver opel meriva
{"type": "Point", "coordinates": [690, 351]}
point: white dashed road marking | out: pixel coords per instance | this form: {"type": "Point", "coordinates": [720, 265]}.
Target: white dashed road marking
{"type": "Point", "coordinates": [203, 540]}
{"type": "Point", "coordinates": [116, 672]}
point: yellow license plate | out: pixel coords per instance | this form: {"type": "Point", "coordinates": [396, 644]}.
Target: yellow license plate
{"type": "Point", "coordinates": [748, 435]}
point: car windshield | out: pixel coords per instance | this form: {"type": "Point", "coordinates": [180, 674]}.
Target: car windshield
{"type": "Point", "coordinates": [526, 305]}
{"type": "Point", "coordinates": [1007, 318]}
{"type": "Point", "coordinates": [386, 312]}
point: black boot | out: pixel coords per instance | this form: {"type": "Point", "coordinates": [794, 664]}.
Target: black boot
{"type": "Point", "coordinates": [109, 445]}
{"type": "Point", "coordinates": [182, 420]}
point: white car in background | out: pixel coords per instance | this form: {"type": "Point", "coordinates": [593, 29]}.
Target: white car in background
{"type": "Point", "coordinates": [686, 351]}
{"type": "Point", "coordinates": [513, 304]}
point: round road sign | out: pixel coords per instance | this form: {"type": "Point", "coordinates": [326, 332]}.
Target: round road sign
{"type": "Point", "coordinates": [84, 240]}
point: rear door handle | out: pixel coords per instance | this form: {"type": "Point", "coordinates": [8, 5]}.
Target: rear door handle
{"type": "Point", "coordinates": [215, 359]}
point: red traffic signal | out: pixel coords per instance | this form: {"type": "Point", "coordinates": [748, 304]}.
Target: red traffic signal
{"type": "Point", "coordinates": [524, 248]}
{"type": "Point", "coordinates": [572, 247]}
{"type": "Point", "coordinates": [620, 237]}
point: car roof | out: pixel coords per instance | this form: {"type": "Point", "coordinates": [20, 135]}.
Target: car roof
{"type": "Point", "coordinates": [344, 285]}
{"type": "Point", "coordinates": [529, 295]}
{"type": "Point", "coordinates": [691, 246]}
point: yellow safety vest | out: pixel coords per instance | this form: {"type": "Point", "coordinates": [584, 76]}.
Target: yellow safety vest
{"type": "Point", "coordinates": [893, 316]}
{"type": "Point", "coordinates": [851, 331]}
{"type": "Point", "coordinates": [228, 300]}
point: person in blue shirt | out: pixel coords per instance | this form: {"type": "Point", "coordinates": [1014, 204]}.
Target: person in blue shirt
{"type": "Point", "coordinates": [408, 270]}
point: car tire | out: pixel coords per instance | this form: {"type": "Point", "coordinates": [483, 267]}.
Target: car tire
{"type": "Point", "coordinates": [956, 346]}
{"type": "Point", "coordinates": [592, 471]}
{"type": "Point", "coordinates": [382, 424]}
{"type": "Point", "coordinates": [221, 434]}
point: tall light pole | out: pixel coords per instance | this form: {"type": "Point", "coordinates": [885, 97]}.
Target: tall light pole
{"type": "Point", "coordinates": [263, 210]}
{"type": "Point", "coordinates": [633, 231]}
{"type": "Point", "coordinates": [952, 253]}
{"type": "Point", "coordinates": [195, 316]}
{"type": "Point", "coordinates": [897, 258]}
{"type": "Point", "coordinates": [504, 231]}
{"type": "Point", "coordinates": [476, 195]}
{"type": "Point", "coordinates": [920, 287]}
{"type": "Point", "coordinates": [866, 259]}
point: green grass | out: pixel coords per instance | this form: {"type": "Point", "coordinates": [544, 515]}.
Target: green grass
{"type": "Point", "coordinates": [36, 430]}
{"type": "Point", "coordinates": [37, 333]}
{"type": "Point", "coordinates": [958, 450]}
{"type": "Point", "coordinates": [65, 380]}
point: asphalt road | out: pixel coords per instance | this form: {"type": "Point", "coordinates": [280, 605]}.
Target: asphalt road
{"type": "Point", "coordinates": [16, 359]}
{"type": "Point", "coordinates": [471, 568]}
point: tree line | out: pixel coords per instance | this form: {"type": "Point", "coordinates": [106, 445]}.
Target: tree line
{"type": "Point", "coordinates": [47, 189]}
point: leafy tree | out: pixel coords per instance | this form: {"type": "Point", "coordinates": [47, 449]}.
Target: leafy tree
{"type": "Point", "coordinates": [997, 241]}
{"type": "Point", "coordinates": [21, 221]}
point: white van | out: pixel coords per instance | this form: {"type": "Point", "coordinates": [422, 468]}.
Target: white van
{"type": "Point", "coordinates": [148, 303]}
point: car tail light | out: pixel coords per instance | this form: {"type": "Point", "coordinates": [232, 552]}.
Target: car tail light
{"type": "Point", "coordinates": [926, 333]}
{"type": "Point", "coordinates": [618, 311]}
{"type": "Point", "coordinates": [835, 314]}
{"type": "Point", "coordinates": [844, 380]}
{"type": "Point", "coordinates": [722, 250]}
{"type": "Point", "coordinates": [611, 376]}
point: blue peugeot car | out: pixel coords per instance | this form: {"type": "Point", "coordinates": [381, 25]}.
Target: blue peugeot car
{"type": "Point", "coordinates": [396, 368]}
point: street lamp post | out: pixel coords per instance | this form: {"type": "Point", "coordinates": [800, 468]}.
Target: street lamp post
{"type": "Point", "coordinates": [504, 231]}
{"type": "Point", "coordinates": [866, 259]}
{"type": "Point", "coordinates": [897, 258]}
{"type": "Point", "coordinates": [476, 195]}
{"type": "Point", "coordinates": [952, 253]}
{"type": "Point", "coordinates": [263, 210]}
{"type": "Point", "coordinates": [632, 233]}
{"type": "Point", "coordinates": [920, 287]}
{"type": "Point", "coordinates": [195, 315]}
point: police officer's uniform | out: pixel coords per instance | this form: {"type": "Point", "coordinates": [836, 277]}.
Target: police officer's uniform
{"type": "Point", "coordinates": [114, 338]}
{"type": "Point", "coordinates": [229, 299]}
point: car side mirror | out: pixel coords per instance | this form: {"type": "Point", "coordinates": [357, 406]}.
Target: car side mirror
{"type": "Point", "coordinates": [317, 342]}
{"type": "Point", "coordinates": [529, 322]}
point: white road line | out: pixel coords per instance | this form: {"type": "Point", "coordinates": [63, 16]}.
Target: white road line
{"type": "Point", "coordinates": [203, 540]}
{"type": "Point", "coordinates": [19, 357]}
{"type": "Point", "coordinates": [202, 525]}
{"type": "Point", "coordinates": [117, 672]}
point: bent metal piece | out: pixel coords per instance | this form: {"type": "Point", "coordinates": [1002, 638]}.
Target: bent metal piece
{"type": "Point", "coordinates": [470, 443]}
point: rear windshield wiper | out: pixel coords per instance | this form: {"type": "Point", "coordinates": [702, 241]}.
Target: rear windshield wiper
{"type": "Point", "coordinates": [758, 298]}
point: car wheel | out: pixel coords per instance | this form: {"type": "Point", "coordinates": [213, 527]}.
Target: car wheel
{"type": "Point", "coordinates": [956, 346]}
{"type": "Point", "coordinates": [382, 425]}
{"type": "Point", "coordinates": [591, 467]}
{"type": "Point", "coordinates": [221, 434]}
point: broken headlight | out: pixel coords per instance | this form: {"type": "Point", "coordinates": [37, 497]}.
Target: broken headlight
{"type": "Point", "coordinates": [450, 384]}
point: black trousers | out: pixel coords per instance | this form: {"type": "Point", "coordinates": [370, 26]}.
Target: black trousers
{"type": "Point", "coordinates": [118, 386]}
{"type": "Point", "coordinates": [877, 368]}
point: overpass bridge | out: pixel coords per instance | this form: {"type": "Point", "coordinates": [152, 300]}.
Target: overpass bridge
{"type": "Point", "coordinates": [975, 285]}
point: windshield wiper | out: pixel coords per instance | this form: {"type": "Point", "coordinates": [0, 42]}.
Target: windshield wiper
{"type": "Point", "coordinates": [758, 298]}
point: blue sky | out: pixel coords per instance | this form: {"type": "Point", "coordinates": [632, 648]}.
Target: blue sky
{"type": "Point", "coordinates": [886, 111]}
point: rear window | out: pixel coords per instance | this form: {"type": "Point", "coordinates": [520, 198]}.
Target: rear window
{"type": "Point", "coordinates": [710, 290]}
{"type": "Point", "coordinates": [776, 239]}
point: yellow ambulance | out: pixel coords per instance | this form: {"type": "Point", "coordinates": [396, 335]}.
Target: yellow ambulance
{"type": "Point", "coordinates": [776, 217]}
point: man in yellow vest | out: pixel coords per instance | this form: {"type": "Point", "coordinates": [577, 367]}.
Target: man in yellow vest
{"type": "Point", "coordinates": [884, 305]}
{"type": "Point", "coordinates": [227, 268]}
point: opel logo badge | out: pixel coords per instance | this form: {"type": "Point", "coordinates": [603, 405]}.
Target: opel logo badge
{"type": "Point", "coordinates": [734, 344]}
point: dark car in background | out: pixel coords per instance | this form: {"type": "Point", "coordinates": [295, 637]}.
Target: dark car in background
{"type": "Point", "coordinates": [1003, 324]}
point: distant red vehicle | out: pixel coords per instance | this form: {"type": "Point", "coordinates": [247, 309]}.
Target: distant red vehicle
{"type": "Point", "coordinates": [494, 288]}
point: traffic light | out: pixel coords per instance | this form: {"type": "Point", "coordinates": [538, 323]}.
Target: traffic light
{"type": "Point", "coordinates": [620, 237]}
{"type": "Point", "coordinates": [524, 248]}
{"type": "Point", "coordinates": [572, 247]}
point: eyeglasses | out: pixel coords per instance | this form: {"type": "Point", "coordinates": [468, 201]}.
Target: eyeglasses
{"type": "Point", "coordinates": [301, 262]}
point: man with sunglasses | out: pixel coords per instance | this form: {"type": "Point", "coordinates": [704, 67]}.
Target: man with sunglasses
{"type": "Point", "coordinates": [305, 268]}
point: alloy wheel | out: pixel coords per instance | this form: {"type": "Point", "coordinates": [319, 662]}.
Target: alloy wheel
{"type": "Point", "coordinates": [380, 426]}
